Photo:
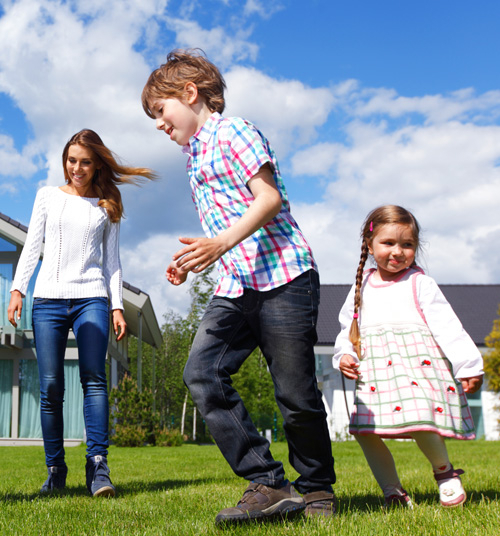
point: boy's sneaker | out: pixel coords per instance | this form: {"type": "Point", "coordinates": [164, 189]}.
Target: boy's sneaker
{"type": "Point", "coordinates": [451, 491]}
{"type": "Point", "coordinates": [260, 502]}
{"type": "Point", "coordinates": [56, 479]}
{"type": "Point", "coordinates": [320, 503]}
{"type": "Point", "coordinates": [399, 499]}
{"type": "Point", "coordinates": [98, 481]}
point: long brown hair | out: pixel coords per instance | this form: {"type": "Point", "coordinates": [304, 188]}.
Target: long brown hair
{"type": "Point", "coordinates": [109, 172]}
{"type": "Point", "coordinates": [384, 215]}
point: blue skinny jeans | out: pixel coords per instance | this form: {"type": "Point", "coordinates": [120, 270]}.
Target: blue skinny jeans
{"type": "Point", "coordinates": [89, 319]}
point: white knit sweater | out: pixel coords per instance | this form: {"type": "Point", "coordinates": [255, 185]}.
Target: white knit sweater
{"type": "Point", "coordinates": [81, 257]}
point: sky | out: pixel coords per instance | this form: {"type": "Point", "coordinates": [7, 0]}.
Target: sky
{"type": "Point", "coordinates": [365, 103]}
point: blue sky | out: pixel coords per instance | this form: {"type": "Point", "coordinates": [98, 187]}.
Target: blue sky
{"type": "Point", "coordinates": [366, 102]}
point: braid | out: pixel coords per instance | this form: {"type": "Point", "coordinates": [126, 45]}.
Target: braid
{"type": "Point", "coordinates": [354, 335]}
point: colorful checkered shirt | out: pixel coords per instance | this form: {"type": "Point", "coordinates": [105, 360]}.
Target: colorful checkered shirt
{"type": "Point", "coordinates": [224, 155]}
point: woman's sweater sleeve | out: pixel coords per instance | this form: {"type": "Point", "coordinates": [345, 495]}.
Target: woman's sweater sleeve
{"type": "Point", "coordinates": [448, 331]}
{"type": "Point", "coordinates": [111, 265]}
{"type": "Point", "coordinates": [342, 344]}
{"type": "Point", "coordinates": [33, 245]}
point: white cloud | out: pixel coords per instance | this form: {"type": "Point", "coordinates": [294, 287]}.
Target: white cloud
{"type": "Point", "coordinates": [463, 104]}
{"type": "Point", "coordinates": [144, 267]}
{"type": "Point", "coordinates": [446, 172]}
{"type": "Point", "coordinates": [263, 9]}
{"type": "Point", "coordinates": [287, 111]}
{"type": "Point", "coordinates": [14, 163]}
{"type": "Point", "coordinates": [222, 48]}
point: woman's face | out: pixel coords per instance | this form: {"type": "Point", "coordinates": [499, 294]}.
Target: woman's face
{"type": "Point", "coordinates": [81, 166]}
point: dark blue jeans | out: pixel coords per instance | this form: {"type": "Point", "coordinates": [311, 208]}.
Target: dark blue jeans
{"type": "Point", "coordinates": [282, 322]}
{"type": "Point", "coordinates": [52, 320]}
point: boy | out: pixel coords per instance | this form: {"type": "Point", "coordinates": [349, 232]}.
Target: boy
{"type": "Point", "coordinates": [267, 293]}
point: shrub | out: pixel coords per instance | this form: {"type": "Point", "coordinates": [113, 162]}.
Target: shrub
{"type": "Point", "coordinates": [169, 438]}
{"type": "Point", "coordinates": [129, 436]}
{"type": "Point", "coordinates": [132, 421]}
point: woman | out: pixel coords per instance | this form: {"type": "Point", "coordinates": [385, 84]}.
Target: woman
{"type": "Point", "coordinates": [80, 272]}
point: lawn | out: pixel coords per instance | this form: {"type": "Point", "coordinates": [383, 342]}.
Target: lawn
{"type": "Point", "coordinates": [179, 490]}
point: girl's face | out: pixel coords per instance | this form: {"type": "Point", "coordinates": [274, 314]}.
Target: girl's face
{"type": "Point", "coordinates": [81, 166]}
{"type": "Point", "coordinates": [393, 247]}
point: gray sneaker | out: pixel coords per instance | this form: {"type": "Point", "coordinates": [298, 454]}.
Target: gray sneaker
{"type": "Point", "coordinates": [56, 479]}
{"type": "Point", "coordinates": [260, 502]}
{"type": "Point", "coordinates": [98, 481]}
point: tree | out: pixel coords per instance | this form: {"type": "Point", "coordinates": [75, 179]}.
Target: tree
{"type": "Point", "coordinates": [131, 421]}
{"type": "Point", "coordinates": [253, 381]}
{"type": "Point", "coordinates": [492, 358]}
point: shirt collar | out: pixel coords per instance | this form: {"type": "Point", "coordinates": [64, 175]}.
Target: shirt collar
{"type": "Point", "coordinates": [205, 132]}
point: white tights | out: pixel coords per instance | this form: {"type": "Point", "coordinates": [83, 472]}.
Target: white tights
{"type": "Point", "coordinates": [381, 462]}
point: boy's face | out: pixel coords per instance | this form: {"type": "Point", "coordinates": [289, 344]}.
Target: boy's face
{"type": "Point", "coordinates": [177, 118]}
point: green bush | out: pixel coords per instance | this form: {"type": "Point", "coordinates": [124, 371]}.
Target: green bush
{"type": "Point", "coordinates": [132, 421]}
{"type": "Point", "coordinates": [129, 436]}
{"type": "Point", "coordinates": [169, 438]}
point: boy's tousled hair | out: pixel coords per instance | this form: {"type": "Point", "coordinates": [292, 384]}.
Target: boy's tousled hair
{"type": "Point", "coordinates": [108, 174]}
{"type": "Point", "coordinates": [384, 215]}
{"type": "Point", "coordinates": [182, 67]}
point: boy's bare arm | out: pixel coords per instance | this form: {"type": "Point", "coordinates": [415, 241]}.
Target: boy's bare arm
{"type": "Point", "coordinates": [201, 252]}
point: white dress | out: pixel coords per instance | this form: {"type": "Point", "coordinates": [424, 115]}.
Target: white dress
{"type": "Point", "coordinates": [413, 348]}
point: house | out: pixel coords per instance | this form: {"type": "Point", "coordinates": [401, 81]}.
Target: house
{"type": "Point", "coordinates": [19, 389]}
{"type": "Point", "coordinates": [477, 308]}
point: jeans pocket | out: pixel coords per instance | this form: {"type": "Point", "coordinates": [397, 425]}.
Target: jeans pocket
{"type": "Point", "coordinates": [40, 301]}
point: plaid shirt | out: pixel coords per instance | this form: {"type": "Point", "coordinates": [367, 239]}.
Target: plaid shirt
{"type": "Point", "coordinates": [224, 155]}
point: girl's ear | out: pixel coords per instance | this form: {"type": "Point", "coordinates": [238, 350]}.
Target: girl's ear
{"type": "Point", "coordinates": [370, 250]}
{"type": "Point", "coordinates": [191, 92]}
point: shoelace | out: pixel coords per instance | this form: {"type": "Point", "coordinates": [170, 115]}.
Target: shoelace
{"type": "Point", "coordinates": [100, 471]}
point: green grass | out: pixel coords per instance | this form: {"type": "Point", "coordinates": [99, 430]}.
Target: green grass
{"type": "Point", "coordinates": [179, 491]}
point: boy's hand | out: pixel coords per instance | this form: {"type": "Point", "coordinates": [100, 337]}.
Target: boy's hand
{"type": "Point", "coordinates": [174, 275]}
{"type": "Point", "coordinates": [349, 367]}
{"type": "Point", "coordinates": [472, 385]}
{"type": "Point", "coordinates": [199, 254]}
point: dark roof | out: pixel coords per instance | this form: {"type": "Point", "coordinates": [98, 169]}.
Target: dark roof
{"type": "Point", "coordinates": [475, 305]}
{"type": "Point", "coordinates": [14, 222]}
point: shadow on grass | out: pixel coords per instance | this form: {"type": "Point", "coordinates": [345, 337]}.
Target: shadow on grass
{"type": "Point", "coordinates": [125, 489]}
{"type": "Point", "coordinates": [359, 503]}
{"type": "Point", "coordinates": [370, 502]}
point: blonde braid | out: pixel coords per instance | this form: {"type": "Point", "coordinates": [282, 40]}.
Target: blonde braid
{"type": "Point", "coordinates": [354, 335]}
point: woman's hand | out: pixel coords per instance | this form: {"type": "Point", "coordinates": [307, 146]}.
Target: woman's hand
{"type": "Point", "coordinates": [15, 307]}
{"type": "Point", "coordinates": [349, 367]}
{"type": "Point", "coordinates": [119, 324]}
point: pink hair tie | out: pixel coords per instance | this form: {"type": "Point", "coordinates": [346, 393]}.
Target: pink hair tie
{"type": "Point", "coordinates": [371, 227]}
{"type": "Point", "coordinates": [355, 315]}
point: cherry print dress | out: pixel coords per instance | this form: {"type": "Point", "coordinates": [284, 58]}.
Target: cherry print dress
{"type": "Point", "coordinates": [413, 349]}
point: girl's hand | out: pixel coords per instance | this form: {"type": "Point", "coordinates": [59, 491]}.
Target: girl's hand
{"type": "Point", "coordinates": [349, 367]}
{"type": "Point", "coordinates": [472, 385]}
{"type": "Point", "coordinates": [15, 307]}
{"type": "Point", "coordinates": [174, 275]}
{"type": "Point", "coordinates": [119, 324]}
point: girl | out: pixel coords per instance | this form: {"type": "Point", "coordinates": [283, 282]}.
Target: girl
{"type": "Point", "coordinates": [80, 271]}
{"type": "Point", "coordinates": [403, 344]}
